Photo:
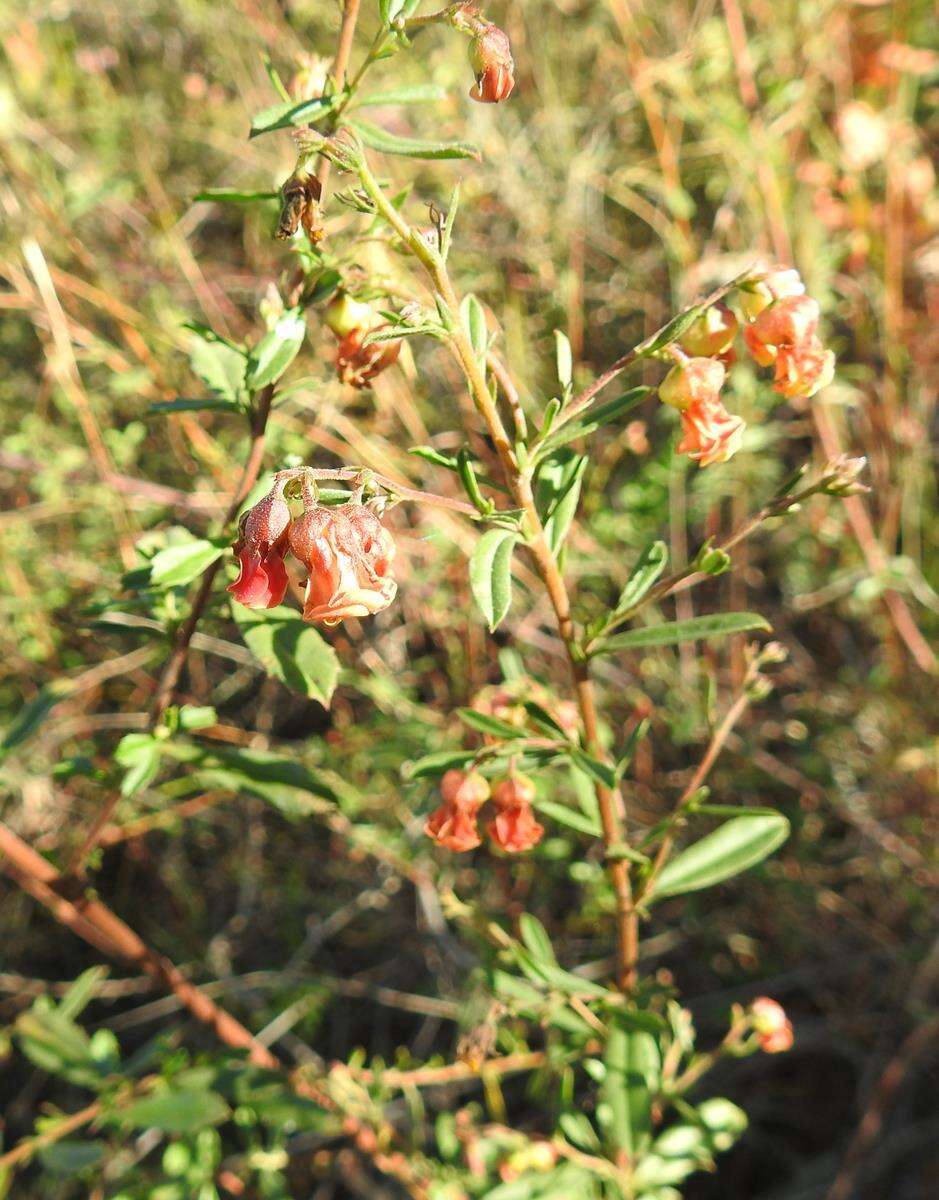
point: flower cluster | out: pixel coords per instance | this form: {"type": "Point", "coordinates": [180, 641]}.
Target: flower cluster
{"type": "Point", "coordinates": [781, 332]}
{"type": "Point", "coordinates": [358, 361]}
{"type": "Point", "coordinates": [346, 551]}
{"type": "Point", "coordinates": [454, 825]}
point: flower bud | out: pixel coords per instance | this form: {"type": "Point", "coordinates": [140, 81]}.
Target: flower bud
{"type": "Point", "coordinates": [693, 381]}
{"type": "Point", "coordinates": [453, 824]}
{"type": "Point", "coordinates": [358, 361]}
{"type": "Point", "coordinates": [490, 54]}
{"type": "Point", "coordinates": [772, 283]}
{"type": "Point", "coordinates": [260, 547]}
{"type": "Point", "coordinates": [515, 828]}
{"type": "Point", "coordinates": [770, 1024]}
{"type": "Point", "coordinates": [712, 334]}
{"type": "Point", "coordinates": [343, 314]}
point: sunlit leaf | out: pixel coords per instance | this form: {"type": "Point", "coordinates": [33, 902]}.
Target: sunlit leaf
{"type": "Point", "coordinates": [738, 844]}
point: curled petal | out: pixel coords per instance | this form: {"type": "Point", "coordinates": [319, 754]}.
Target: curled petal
{"type": "Point", "coordinates": [262, 582]}
{"type": "Point", "coordinates": [802, 370]}
{"type": "Point", "coordinates": [453, 827]}
{"type": "Point", "coordinates": [711, 433]}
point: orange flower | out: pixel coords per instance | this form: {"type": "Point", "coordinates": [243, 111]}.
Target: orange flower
{"type": "Point", "coordinates": [515, 828]}
{"type": "Point", "coordinates": [358, 362]}
{"type": "Point", "coordinates": [493, 65]}
{"type": "Point", "coordinates": [712, 334]}
{"type": "Point", "coordinates": [261, 545]}
{"type": "Point", "coordinates": [453, 824]}
{"type": "Point", "coordinates": [710, 433]}
{"type": "Point", "coordinates": [771, 1025]}
{"type": "Point", "coordinates": [348, 554]}
{"type": "Point", "coordinates": [771, 284]}
{"type": "Point", "coordinates": [785, 336]}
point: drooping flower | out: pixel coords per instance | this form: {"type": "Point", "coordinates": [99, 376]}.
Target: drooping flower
{"type": "Point", "coordinates": [491, 58]}
{"type": "Point", "coordinates": [785, 335]}
{"type": "Point", "coordinates": [514, 828]}
{"type": "Point", "coordinates": [260, 547]}
{"type": "Point", "coordinates": [453, 825]}
{"type": "Point", "coordinates": [712, 334]}
{"type": "Point", "coordinates": [771, 1025]}
{"type": "Point", "coordinates": [768, 285]}
{"type": "Point", "coordinates": [358, 361]}
{"type": "Point", "coordinates": [710, 433]}
{"type": "Point", "coordinates": [348, 554]}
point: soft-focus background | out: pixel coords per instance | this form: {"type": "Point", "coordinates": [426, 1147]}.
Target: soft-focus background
{"type": "Point", "coordinates": [652, 148]}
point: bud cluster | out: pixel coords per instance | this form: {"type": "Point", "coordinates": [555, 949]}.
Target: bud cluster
{"type": "Point", "coordinates": [454, 825]}
{"type": "Point", "coordinates": [346, 551]}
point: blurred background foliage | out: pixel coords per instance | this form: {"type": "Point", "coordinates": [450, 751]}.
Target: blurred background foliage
{"type": "Point", "coordinates": [650, 151]}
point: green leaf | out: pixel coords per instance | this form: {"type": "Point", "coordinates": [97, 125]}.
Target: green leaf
{"type": "Point", "coordinates": [288, 785]}
{"type": "Point", "coordinates": [650, 566]}
{"type": "Point", "coordinates": [474, 322]}
{"type": "Point", "coordinates": [599, 772]}
{"type": "Point", "coordinates": [276, 350]}
{"type": "Point", "coordinates": [219, 364]}
{"type": "Point", "coordinates": [491, 726]}
{"type": "Point", "coordinates": [185, 404]}
{"type": "Point", "coordinates": [82, 991]}
{"type": "Point", "coordinates": [490, 574]}
{"type": "Point", "coordinates": [418, 93]}
{"type": "Point", "coordinates": [139, 755]}
{"type": "Point", "coordinates": [290, 650]}
{"type": "Point", "coordinates": [234, 196]}
{"type": "Point", "coordinates": [535, 937]}
{"type": "Point", "coordinates": [176, 565]}
{"type": "Point", "coordinates": [632, 1065]}
{"type": "Point", "coordinates": [564, 358]}
{"type": "Point", "coordinates": [282, 116]}
{"type": "Point", "coordinates": [71, 1156]}
{"type": "Point", "coordinates": [32, 715]}
{"type": "Point", "coordinates": [592, 419]}
{"type": "Point", "coordinates": [672, 632]}
{"type": "Point", "coordinates": [673, 330]}
{"type": "Point", "coordinates": [577, 1129]}
{"type": "Point", "coordinates": [432, 766]}
{"type": "Point", "coordinates": [570, 817]}
{"type": "Point", "coordinates": [391, 143]}
{"type": "Point", "coordinates": [177, 1111]}
{"type": "Point", "coordinates": [738, 844]}
{"type": "Point", "coordinates": [557, 491]}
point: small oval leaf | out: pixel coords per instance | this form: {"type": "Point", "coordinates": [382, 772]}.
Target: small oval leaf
{"type": "Point", "coordinates": [738, 844]}
{"type": "Point", "coordinates": [491, 574]}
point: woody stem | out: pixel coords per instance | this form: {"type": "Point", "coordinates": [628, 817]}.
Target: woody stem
{"type": "Point", "coordinates": [518, 479]}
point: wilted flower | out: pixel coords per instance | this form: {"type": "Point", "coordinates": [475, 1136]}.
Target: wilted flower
{"type": "Point", "coordinates": [358, 361]}
{"type": "Point", "coordinates": [515, 828]}
{"type": "Point", "coordinates": [771, 1025]}
{"type": "Point", "coordinates": [261, 545]}
{"type": "Point", "coordinates": [491, 57]}
{"type": "Point", "coordinates": [300, 206]}
{"type": "Point", "coordinates": [768, 285]}
{"type": "Point", "coordinates": [710, 433]}
{"type": "Point", "coordinates": [712, 334]}
{"type": "Point", "coordinates": [348, 553]}
{"type": "Point", "coordinates": [453, 824]}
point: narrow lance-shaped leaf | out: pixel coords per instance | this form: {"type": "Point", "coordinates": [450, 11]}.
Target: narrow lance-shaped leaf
{"type": "Point", "coordinates": [650, 566]}
{"type": "Point", "coordinates": [474, 322]}
{"type": "Point", "coordinates": [286, 114]}
{"type": "Point", "coordinates": [491, 574]}
{"type": "Point", "coordinates": [672, 632]}
{"type": "Point", "coordinates": [417, 93]}
{"type": "Point", "coordinates": [632, 1065]}
{"type": "Point", "coordinates": [391, 143]}
{"type": "Point", "coordinates": [737, 845]}
{"type": "Point", "coordinates": [276, 350]}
